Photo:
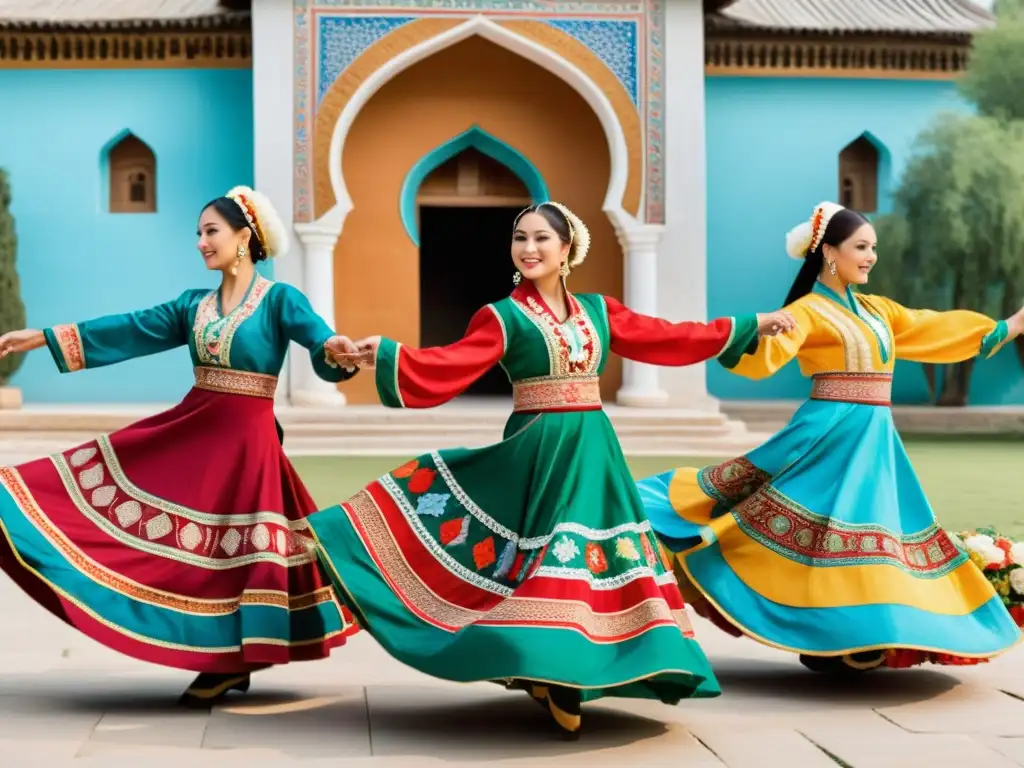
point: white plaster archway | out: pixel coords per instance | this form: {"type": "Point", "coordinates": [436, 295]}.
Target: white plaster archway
{"type": "Point", "coordinates": [639, 241]}
{"type": "Point", "coordinates": [529, 50]}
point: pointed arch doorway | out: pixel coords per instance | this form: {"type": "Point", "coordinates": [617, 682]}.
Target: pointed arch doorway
{"type": "Point", "coordinates": [376, 265]}
{"type": "Point", "coordinates": [458, 205]}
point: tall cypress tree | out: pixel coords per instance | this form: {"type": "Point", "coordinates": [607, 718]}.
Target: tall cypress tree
{"type": "Point", "coordinates": [12, 309]}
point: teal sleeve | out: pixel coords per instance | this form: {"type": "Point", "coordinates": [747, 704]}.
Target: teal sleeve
{"type": "Point", "coordinates": [995, 340]}
{"type": "Point", "coordinates": [117, 338]}
{"type": "Point", "coordinates": [306, 328]}
{"type": "Point", "coordinates": [743, 342]}
{"type": "Point", "coordinates": [387, 373]}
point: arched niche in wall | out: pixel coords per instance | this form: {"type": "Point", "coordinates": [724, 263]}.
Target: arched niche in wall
{"type": "Point", "coordinates": [860, 174]}
{"type": "Point", "coordinates": [130, 175]}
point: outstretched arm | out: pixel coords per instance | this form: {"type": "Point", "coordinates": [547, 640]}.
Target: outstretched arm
{"type": "Point", "coordinates": [306, 328]}
{"type": "Point", "coordinates": [423, 378]}
{"type": "Point", "coordinates": [660, 342]}
{"type": "Point", "coordinates": [116, 338]}
{"type": "Point", "coordinates": [927, 336]}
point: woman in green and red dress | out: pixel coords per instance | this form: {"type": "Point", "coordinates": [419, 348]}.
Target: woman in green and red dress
{"type": "Point", "coordinates": [180, 539]}
{"type": "Point", "coordinates": [529, 562]}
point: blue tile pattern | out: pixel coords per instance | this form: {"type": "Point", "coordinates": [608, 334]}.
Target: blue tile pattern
{"type": "Point", "coordinates": [614, 42]}
{"type": "Point", "coordinates": [340, 40]}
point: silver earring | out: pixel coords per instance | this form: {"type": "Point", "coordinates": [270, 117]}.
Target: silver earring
{"type": "Point", "coordinates": [516, 278]}
{"type": "Point", "coordinates": [832, 267]}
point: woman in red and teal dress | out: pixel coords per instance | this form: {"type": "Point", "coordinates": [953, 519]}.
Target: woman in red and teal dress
{"type": "Point", "coordinates": [528, 562]}
{"type": "Point", "coordinates": [821, 542]}
{"type": "Point", "coordinates": [181, 539]}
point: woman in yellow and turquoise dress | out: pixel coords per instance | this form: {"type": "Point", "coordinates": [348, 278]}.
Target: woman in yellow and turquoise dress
{"type": "Point", "coordinates": [821, 542]}
{"type": "Point", "coordinates": [528, 562]}
{"type": "Point", "coordinates": [180, 539]}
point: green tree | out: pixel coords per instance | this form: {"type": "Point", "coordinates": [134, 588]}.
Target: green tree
{"type": "Point", "coordinates": [995, 83]}
{"type": "Point", "coordinates": [956, 237]}
{"type": "Point", "coordinates": [12, 310]}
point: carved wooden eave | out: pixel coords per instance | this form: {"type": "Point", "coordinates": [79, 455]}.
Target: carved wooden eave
{"type": "Point", "coordinates": [215, 41]}
{"type": "Point", "coordinates": [736, 50]}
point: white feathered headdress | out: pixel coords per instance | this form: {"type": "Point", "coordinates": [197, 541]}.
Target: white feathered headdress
{"type": "Point", "coordinates": [806, 237]}
{"type": "Point", "coordinates": [579, 235]}
{"type": "Point", "coordinates": [262, 217]}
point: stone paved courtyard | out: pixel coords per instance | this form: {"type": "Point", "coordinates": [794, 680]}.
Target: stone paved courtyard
{"type": "Point", "coordinates": [67, 701]}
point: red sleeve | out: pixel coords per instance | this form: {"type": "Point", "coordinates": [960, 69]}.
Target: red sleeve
{"type": "Point", "coordinates": [422, 378]}
{"type": "Point", "coordinates": [658, 342]}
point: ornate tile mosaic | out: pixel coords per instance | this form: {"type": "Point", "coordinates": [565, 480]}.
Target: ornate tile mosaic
{"type": "Point", "coordinates": [627, 36]}
{"type": "Point", "coordinates": [614, 42]}
{"type": "Point", "coordinates": [340, 40]}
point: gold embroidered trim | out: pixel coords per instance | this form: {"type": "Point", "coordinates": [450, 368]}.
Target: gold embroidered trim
{"type": "Point", "coordinates": [856, 346]}
{"type": "Point", "coordinates": [69, 339]}
{"type": "Point", "coordinates": [235, 382]}
{"type": "Point", "coordinates": [214, 333]}
{"type": "Point", "coordinates": [528, 612]}
{"type": "Point", "coordinates": [863, 388]}
{"type": "Point", "coordinates": [532, 395]}
{"type": "Point", "coordinates": [11, 480]}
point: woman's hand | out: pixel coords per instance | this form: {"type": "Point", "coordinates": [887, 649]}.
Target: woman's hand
{"type": "Point", "coordinates": [1014, 324]}
{"type": "Point", "coordinates": [774, 323]}
{"type": "Point", "coordinates": [342, 351]}
{"type": "Point", "coordinates": [368, 351]}
{"type": "Point", "coordinates": [21, 341]}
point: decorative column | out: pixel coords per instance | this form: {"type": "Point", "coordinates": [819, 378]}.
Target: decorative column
{"type": "Point", "coordinates": [318, 241]}
{"type": "Point", "coordinates": [272, 73]}
{"type": "Point", "coordinates": [640, 388]}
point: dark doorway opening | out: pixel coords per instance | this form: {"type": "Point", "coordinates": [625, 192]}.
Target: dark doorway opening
{"type": "Point", "coordinates": [464, 264]}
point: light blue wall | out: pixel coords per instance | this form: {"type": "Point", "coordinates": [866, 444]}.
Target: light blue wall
{"type": "Point", "coordinates": [75, 260]}
{"type": "Point", "coordinates": [773, 148]}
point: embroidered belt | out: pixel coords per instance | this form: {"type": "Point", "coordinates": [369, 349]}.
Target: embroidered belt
{"type": "Point", "coordinates": [235, 382]}
{"type": "Point", "coordinates": [863, 388]}
{"type": "Point", "coordinates": [537, 395]}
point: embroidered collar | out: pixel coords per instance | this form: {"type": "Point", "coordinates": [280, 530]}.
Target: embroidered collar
{"type": "Point", "coordinates": [526, 293]}
{"type": "Point", "coordinates": [256, 277]}
{"type": "Point", "coordinates": [847, 301]}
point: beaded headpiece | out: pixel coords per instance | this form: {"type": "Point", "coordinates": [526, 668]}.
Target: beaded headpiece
{"type": "Point", "coordinates": [805, 238]}
{"type": "Point", "coordinates": [263, 219]}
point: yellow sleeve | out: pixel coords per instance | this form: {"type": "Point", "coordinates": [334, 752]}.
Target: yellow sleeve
{"type": "Point", "coordinates": [927, 336]}
{"type": "Point", "coordinates": [768, 354]}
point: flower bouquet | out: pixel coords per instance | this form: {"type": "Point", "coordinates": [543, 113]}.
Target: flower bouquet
{"type": "Point", "coordinates": [1001, 560]}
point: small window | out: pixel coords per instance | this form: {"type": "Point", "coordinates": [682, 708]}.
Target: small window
{"type": "Point", "coordinates": [132, 177]}
{"type": "Point", "coordinates": [858, 176]}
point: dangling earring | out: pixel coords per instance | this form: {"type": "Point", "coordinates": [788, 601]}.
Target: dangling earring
{"type": "Point", "coordinates": [832, 267]}
{"type": "Point", "coordinates": [241, 255]}
{"type": "Point", "coordinates": [564, 270]}
{"type": "Point", "coordinates": [516, 277]}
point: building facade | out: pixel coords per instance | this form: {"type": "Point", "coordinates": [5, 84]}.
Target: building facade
{"type": "Point", "coordinates": [400, 136]}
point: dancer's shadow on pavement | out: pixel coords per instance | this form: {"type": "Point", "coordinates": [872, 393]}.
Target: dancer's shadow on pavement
{"type": "Point", "coordinates": [789, 684]}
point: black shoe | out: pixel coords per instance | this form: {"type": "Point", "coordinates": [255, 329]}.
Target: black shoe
{"type": "Point", "coordinates": [848, 664]}
{"type": "Point", "coordinates": [209, 688]}
{"type": "Point", "coordinates": [563, 704]}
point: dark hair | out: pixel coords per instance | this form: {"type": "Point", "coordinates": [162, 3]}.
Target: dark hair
{"type": "Point", "coordinates": [232, 214]}
{"type": "Point", "coordinates": [843, 223]}
{"type": "Point", "coordinates": [555, 218]}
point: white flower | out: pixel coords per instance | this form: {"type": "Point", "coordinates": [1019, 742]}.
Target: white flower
{"type": "Point", "coordinates": [992, 555]}
{"type": "Point", "coordinates": [1017, 581]}
{"type": "Point", "coordinates": [1017, 553]}
{"type": "Point", "coordinates": [978, 542]}
{"type": "Point", "coordinates": [565, 549]}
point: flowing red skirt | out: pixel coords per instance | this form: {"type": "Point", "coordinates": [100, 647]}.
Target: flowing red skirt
{"type": "Point", "coordinates": [178, 540]}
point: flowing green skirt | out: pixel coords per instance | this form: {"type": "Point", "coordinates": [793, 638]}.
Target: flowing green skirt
{"type": "Point", "coordinates": [530, 559]}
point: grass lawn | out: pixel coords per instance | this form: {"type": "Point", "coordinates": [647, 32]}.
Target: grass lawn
{"type": "Point", "coordinates": [971, 483]}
